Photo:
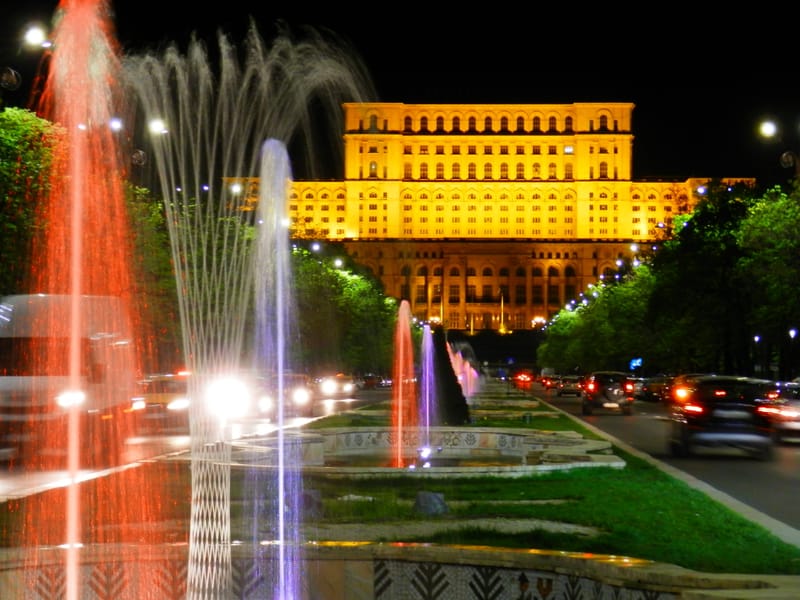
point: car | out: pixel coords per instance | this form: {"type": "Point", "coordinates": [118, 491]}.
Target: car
{"type": "Point", "coordinates": [339, 385]}
{"type": "Point", "coordinates": [652, 389]}
{"type": "Point", "coordinates": [161, 404]}
{"type": "Point", "coordinates": [523, 379]}
{"type": "Point", "coordinates": [607, 390]}
{"type": "Point", "coordinates": [297, 390]}
{"type": "Point", "coordinates": [550, 382]}
{"type": "Point", "coordinates": [675, 382]}
{"type": "Point", "coordinates": [723, 411]}
{"type": "Point", "coordinates": [570, 385]}
{"type": "Point", "coordinates": [786, 418]}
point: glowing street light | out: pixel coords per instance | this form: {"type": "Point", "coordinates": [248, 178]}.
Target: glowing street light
{"type": "Point", "coordinates": [769, 129]}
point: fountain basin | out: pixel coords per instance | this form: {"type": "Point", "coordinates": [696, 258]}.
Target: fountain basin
{"type": "Point", "coordinates": [455, 451]}
{"type": "Point", "coordinates": [370, 570]}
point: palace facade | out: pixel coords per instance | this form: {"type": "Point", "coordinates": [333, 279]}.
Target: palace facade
{"type": "Point", "coordinates": [489, 216]}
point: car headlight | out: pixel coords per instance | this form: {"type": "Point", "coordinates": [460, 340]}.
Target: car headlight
{"type": "Point", "coordinates": [301, 396]}
{"type": "Point", "coordinates": [70, 398]}
{"type": "Point", "coordinates": [328, 386]}
{"type": "Point", "coordinates": [228, 398]}
{"type": "Point", "coordinates": [266, 404]}
{"type": "Point", "coordinates": [181, 403]}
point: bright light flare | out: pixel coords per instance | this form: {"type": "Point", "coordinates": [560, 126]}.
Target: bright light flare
{"type": "Point", "coordinates": [228, 398]}
{"type": "Point", "coordinates": [71, 398]}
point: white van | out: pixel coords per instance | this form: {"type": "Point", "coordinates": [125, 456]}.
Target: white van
{"type": "Point", "coordinates": [43, 374]}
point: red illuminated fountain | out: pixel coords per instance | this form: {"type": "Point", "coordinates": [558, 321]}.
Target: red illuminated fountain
{"type": "Point", "coordinates": [83, 249]}
{"type": "Point", "coordinates": [404, 387]}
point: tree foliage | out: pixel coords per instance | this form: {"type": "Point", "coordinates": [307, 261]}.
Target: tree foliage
{"type": "Point", "coordinates": [26, 153]}
{"type": "Point", "coordinates": [727, 274]}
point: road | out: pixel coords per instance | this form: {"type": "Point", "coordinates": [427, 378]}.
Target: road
{"type": "Point", "coordinates": [769, 487]}
{"type": "Point", "coordinates": [21, 483]}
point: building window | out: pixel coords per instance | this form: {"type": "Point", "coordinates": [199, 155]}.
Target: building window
{"type": "Point", "coordinates": [454, 294]}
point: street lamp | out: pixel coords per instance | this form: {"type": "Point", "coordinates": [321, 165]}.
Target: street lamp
{"type": "Point", "coordinates": [769, 129]}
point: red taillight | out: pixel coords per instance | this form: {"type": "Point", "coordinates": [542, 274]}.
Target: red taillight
{"type": "Point", "coordinates": [681, 394]}
{"type": "Point", "coordinates": [693, 408]}
{"type": "Point", "coordinates": [590, 386]}
{"type": "Point", "coordinates": [628, 386]}
{"type": "Point", "coordinates": [720, 393]}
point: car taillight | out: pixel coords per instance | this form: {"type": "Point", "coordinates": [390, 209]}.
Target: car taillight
{"type": "Point", "coordinates": [693, 408]}
{"type": "Point", "coordinates": [681, 394]}
{"type": "Point", "coordinates": [628, 386]}
{"type": "Point", "coordinates": [782, 412]}
{"type": "Point", "coordinates": [590, 386]}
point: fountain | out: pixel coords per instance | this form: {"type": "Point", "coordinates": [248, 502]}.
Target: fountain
{"type": "Point", "coordinates": [213, 127]}
{"type": "Point", "coordinates": [268, 97]}
{"type": "Point", "coordinates": [404, 386]}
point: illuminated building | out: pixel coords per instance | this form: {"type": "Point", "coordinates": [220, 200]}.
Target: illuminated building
{"type": "Point", "coordinates": [467, 210]}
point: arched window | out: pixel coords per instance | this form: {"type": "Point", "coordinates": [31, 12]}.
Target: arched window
{"type": "Point", "coordinates": [457, 124]}
{"type": "Point", "coordinates": [407, 124]}
{"type": "Point", "coordinates": [487, 171]}
{"type": "Point", "coordinates": [454, 272]}
{"type": "Point", "coordinates": [551, 125]}
{"type": "Point", "coordinates": [569, 271]}
{"type": "Point", "coordinates": [487, 272]}
{"type": "Point", "coordinates": [439, 123]}
{"type": "Point", "coordinates": [487, 125]}
{"type": "Point", "coordinates": [537, 124]}
{"type": "Point", "coordinates": [520, 171]}
{"type": "Point", "coordinates": [405, 270]}
{"type": "Point", "coordinates": [422, 271]}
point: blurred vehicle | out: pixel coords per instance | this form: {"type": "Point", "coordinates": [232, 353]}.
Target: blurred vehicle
{"type": "Point", "coordinates": [523, 379]}
{"type": "Point", "coordinates": [786, 415]}
{"type": "Point", "coordinates": [676, 381]}
{"type": "Point", "coordinates": [570, 385]}
{"type": "Point", "coordinates": [608, 390]}
{"type": "Point", "coordinates": [549, 382]}
{"type": "Point", "coordinates": [638, 384]}
{"type": "Point", "coordinates": [336, 386]}
{"type": "Point", "coordinates": [161, 403]}
{"type": "Point", "coordinates": [296, 389]}
{"type": "Point", "coordinates": [653, 388]}
{"type": "Point", "coordinates": [372, 381]}
{"type": "Point", "coordinates": [722, 411]}
{"type": "Point", "coordinates": [46, 376]}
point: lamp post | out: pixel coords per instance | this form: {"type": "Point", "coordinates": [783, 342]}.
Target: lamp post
{"type": "Point", "coordinates": [10, 79]}
{"type": "Point", "coordinates": [788, 159]}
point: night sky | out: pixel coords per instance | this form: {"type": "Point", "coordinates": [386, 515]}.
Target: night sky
{"type": "Point", "coordinates": [700, 84]}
